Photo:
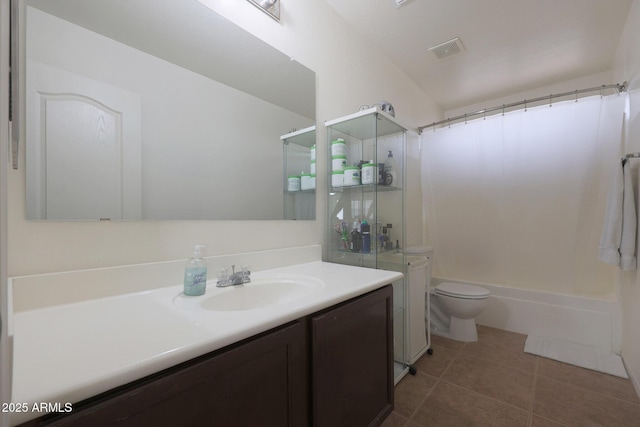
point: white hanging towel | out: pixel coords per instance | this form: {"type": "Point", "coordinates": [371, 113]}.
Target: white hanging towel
{"type": "Point", "coordinates": [618, 239]}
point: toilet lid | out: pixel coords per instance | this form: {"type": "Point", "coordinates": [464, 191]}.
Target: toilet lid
{"type": "Point", "coordinates": [462, 290]}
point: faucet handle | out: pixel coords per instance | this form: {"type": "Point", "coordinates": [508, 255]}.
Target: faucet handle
{"type": "Point", "coordinates": [245, 274]}
{"type": "Point", "coordinates": [245, 270]}
{"type": "Point", "coordinates": [223, 275]}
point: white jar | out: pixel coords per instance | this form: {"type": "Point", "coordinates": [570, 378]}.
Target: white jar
{"type": "Point", "coordinates": [313, 181]}
{"type": "Point", "coordinates": [339, 162]}
{"type": "Point", "coordinates": [338, 147]}
{"type": "Point", "coordinates": [306, 182]}
{"type": "Point", "coordinates": [293, 183]}
{"type": "Point", "coordinates": [369, 173]}
{"type": "Point", "coordinates": [313, 153]}
{"type": "Point", "coordinates": [337, 178]}
{"type": "Point", "coordinates": [351, 176]}
{"type": "Point", "coordinates": [313, 167]}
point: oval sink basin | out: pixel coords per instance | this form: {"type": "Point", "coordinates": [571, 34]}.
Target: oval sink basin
{"type": "Point", "coordinates": [262, 291]}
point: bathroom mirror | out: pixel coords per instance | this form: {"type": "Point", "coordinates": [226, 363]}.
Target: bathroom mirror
{"type": "Point", "coordinates": [155, 110]}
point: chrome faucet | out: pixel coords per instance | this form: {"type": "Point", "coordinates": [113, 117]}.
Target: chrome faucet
{"type": "Point", "coordinates": [239, 278]}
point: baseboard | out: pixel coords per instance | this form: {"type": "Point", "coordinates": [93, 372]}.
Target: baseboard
{"type": "Point", "coordinates": [632, 377]}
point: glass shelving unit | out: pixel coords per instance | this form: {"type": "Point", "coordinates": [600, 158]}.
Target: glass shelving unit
{"type": "Point", "coordinates": [299, 161]}
{"type": "Point", "coordinates": [369, 136]}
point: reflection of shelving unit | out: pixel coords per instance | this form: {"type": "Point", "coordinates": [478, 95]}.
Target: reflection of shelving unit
{"type": "Point", "coordinates": [297, 152]}
{"type": "Point", "coordinates": [369, 135]}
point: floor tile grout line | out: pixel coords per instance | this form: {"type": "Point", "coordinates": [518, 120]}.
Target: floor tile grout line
{"type": "Point", "coordinates": [438, 381]}
{"type": "Point", "coordinates": [502, 364]}
{"type": "Point", "coordinates": [505, 366]}
{"type": "Point", "coordinates": [637, 402]}
{"type": "Point", "coordinates": [470, 390]}
{"type": "Point", "coordinates": [551, 420]}
{"type": "Point", "coordinates": [591, 390]}
{"type": "Point", "coordinates": [460, 352]}
{"type": "Point", "coordinates": [424, 399]}
{"type": "Point", "coordinates": [538, 358]}
{"type": "Point", "coordinates": [406, 420]}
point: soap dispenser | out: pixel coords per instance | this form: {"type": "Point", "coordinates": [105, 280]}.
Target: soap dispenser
{"type": "Point", "coordinates": [195, 273]}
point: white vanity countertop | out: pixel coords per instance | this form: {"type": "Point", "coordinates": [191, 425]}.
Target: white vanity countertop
{"type": "Point", "coordinates": [67, 353]}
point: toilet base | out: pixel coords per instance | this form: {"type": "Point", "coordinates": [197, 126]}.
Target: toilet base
{"type": "Point", "coordinates": [463, 329]}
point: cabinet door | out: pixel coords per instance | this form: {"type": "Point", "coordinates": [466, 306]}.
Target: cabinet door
{"type": "Point", "coordinates": [352, 362]}
{"type": "Point", "coordinates": [260, 382]}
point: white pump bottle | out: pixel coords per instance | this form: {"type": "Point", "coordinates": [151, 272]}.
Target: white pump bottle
{"type": "Point", "coordinates": [391, 167]}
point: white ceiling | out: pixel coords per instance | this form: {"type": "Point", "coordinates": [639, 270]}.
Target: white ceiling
{"type": "Point", "coordinates": [510, 45]}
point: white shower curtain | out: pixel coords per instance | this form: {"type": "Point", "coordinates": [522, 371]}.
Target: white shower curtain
{"type": "Point", "coordinates": [518, 200]}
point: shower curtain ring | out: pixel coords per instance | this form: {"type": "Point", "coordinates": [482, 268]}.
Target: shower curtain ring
{"type": "Point", "coordinates": [550, 96]}
{"type": "Point", "coordinates": [576, 95]}
{"type": "Point", "coordinates": [503, 109]}
{"type": "Point", "coordinates": [525, 105]}
{"type": "Point", "coordinates": [465, 118]}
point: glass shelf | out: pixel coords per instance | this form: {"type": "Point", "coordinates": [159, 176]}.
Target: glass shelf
{"type": "Point", "coordinates": [312, 190]}
{"type": "Point", "coordinates": [365, 187]}
{"type": "Point", "coordinates": [298, 150]}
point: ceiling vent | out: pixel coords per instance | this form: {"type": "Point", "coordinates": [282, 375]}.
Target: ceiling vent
{"type": "Point", "coordinates": [448, 48]}
{"type": "Point", "coordinates": [400, 3]}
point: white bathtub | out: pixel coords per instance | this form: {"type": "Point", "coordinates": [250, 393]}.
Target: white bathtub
{"type": "Point", "coordinates": [582, 320]}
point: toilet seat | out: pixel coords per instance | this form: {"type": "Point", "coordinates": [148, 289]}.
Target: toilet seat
{"type": "Point", "coordinates": [462, 291]}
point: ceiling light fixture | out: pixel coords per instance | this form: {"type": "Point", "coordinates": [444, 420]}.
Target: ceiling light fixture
{"type": "Point", "coordinates": [270, 7]}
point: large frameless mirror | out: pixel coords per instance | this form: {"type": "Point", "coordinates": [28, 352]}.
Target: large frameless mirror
{"type": "Point", "coordinates": [155, 109]}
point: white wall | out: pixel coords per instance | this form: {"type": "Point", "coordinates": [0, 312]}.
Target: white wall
{"type": "Point", "coordinates": [5, 347]}
{"type": "Point", "coordinates": [350, 72]}
{"type": "Point", "coordinates": [591, 80]}
{"type": "Point", "coordinates": [627, 67]}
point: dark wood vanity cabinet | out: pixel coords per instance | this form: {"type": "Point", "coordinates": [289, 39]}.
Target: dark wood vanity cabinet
{"type": "Point", "coordinates": [261, 381]}
{"type": "Point", "coordinates": [352, 362]}
{"type": "Point", "coordinates": [333, 368]}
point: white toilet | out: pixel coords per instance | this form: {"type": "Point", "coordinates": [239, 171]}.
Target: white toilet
{"type": "Point", "coordinates": [461, 303]}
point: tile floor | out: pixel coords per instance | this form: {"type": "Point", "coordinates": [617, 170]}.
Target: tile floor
{"type": "Point", "coordinates": [492, 382]}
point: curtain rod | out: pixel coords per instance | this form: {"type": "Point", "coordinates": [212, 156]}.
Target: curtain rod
{"type": "Point", "coordinates": [620, 87]}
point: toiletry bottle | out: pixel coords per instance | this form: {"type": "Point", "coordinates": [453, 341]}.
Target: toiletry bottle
{"type": "Point", "coordinates": [391, 170]}
{"type": "Point", "coordinates": [389, 240]}
{"type": "Point", "coordinates": [344, 228]}
{"type": "Point", "coordinates": [355, 245]}
{"type": "Point", "coordinates": [384, 240]}
{"type": "Point", "coordinates": [365, 229]}
{"type": "Point", "coordinates": [195, 273]}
